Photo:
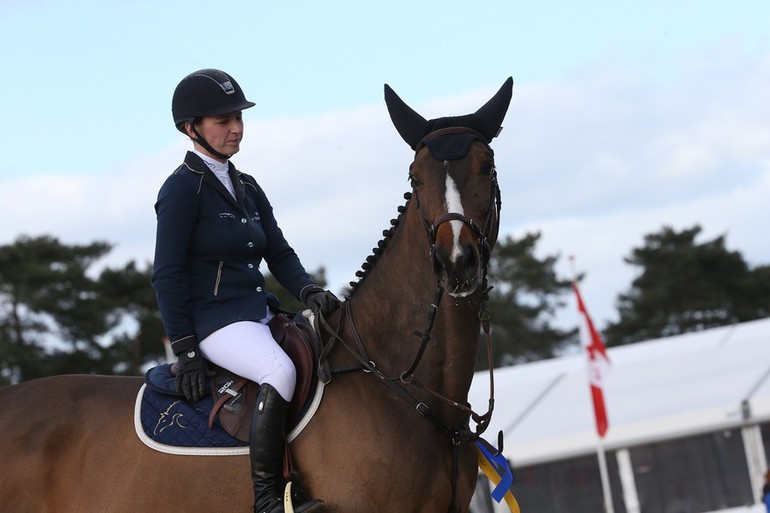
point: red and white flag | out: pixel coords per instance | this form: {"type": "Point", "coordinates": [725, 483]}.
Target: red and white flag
{"type": "Point", "coordinates": [598, 363]}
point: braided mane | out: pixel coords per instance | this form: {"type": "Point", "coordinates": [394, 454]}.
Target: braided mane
{"type": "Point", "coordinates": [372, 259]}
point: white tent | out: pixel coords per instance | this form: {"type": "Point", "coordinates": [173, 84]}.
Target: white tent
{"type": "Point", "coordinates": [656, 390]}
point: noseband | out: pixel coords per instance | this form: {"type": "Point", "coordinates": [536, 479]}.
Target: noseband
{"type": "Point", "coordinates": [481, 237]}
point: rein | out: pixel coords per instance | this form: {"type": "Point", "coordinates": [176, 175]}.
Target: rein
{"type": "Point", "coordinates": [457, 435]}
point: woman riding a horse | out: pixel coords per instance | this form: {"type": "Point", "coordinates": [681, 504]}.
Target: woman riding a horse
{"type": "Point", "coordinates": [215, 227]}
{"type": "Point", "coordinates": [392, 431]}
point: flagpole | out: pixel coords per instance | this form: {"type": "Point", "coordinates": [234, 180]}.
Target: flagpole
{"type": "Point", "coordinates": [603, 474]}
{"type": "Point", "coordinates": [608, 506]}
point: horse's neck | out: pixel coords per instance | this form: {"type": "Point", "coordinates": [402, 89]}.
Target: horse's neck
{"type": "Point", "coordinates": [395, 300]}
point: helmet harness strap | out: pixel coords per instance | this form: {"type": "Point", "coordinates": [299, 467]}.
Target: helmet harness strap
{"type": "Point", "coordinates": [203, 142]}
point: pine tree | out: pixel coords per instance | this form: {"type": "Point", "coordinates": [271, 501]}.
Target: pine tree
{"type": "Point", "coordinates": [525, 297]}
{"type": "Point", "coordinates": [687, 286]}
{"type": "Point", "coordinates": [128, 295]}
{"type": "Point", "coordinates": [51, 317]}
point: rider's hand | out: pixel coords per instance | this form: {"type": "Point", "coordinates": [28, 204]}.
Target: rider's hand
{"type": "Point", "coordinates": [320, 300]}
{"type": "Point", "coordinates": [191, 374]}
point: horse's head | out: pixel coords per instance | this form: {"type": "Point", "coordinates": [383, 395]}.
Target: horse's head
{"type": "Point", "coordinates": [454, 184]}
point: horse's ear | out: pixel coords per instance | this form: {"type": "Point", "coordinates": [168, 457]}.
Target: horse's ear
{"type": "Point", "coordinates": [493, 112]}
{"type": "Point", "coordinates": [409, 124]}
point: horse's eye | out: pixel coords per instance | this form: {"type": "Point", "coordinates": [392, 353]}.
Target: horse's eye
{"type": "Point", "coordinates": [488, 167]}
{"type": "Point", "coordinates": [413, 181]}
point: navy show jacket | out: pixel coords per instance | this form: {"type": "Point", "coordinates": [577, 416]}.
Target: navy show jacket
{"type": "Point", "coordinates": [208, 249]}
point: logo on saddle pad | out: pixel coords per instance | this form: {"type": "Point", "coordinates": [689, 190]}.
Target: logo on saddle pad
{"type": "Point", "coordinates": [169, 418]}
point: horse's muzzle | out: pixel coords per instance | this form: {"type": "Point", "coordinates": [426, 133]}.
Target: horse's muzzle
{"type": "Point", "coordinates": [459, 272]}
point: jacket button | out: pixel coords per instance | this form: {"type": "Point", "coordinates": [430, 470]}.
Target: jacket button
{"type": "Point", "coordinates": [259, 289]}
{"type": "Point", "coordinates": [243, 220]}
{"type": "Point", "coordinates": [251, 266]}
{"type": "Point", "coordinates": [250, 244]}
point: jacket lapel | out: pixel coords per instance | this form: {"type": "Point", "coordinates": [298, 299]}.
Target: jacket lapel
{"type": "Point", "coordinates": [235, 177]}
{"type": "Point", "coordinates": [209, 178]}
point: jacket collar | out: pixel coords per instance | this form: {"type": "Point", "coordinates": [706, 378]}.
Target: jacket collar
{"type": "Point", "coordinates": [195, 163]}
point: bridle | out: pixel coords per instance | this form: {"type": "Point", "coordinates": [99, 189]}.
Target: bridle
{"type": "Point", "coordinates": [493, 216]}
{"type": "Point", "coordinates": [457, 434]}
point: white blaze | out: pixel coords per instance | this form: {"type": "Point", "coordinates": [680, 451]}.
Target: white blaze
{"type": "Point", "coordinates": [454, 204]}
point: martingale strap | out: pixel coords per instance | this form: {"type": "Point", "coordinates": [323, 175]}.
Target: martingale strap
{"type": "Point", "coordinates": [457, 434]}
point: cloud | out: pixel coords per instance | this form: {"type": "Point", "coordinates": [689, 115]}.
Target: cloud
{"type": "Point", "coordinates": [619, 156]}
{"type": "Point", "coordinates": [599, 242]}
{"type": "Point", "coordinates": [594, 162]}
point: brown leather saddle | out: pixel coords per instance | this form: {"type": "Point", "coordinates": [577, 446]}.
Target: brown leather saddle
{"type": "Point", "coordinates": [235, 397]}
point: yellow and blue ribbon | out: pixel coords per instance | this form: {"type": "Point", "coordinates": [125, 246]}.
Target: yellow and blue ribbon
{"type": "Point", "coordinates": [496, 468]}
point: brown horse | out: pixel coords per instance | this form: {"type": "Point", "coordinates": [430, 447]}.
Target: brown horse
{"type": "Point", "coordinates": [393, 432]}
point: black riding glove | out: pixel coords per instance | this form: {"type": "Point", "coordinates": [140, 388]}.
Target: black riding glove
{"type": "Point", "coordinates": [191, 373]}
{"type": "Point", "coordinates": [320, 300]}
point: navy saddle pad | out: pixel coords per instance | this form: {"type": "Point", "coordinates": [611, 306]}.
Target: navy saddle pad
{"type": "Point", "coordinates": [168, 419]}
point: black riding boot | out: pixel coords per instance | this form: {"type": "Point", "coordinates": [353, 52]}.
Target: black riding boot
{"type": "Point", "coordinates": [267, 441]}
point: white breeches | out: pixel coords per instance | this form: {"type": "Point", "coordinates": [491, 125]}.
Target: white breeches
{"type": "Point", "coordinates": [247, 349]}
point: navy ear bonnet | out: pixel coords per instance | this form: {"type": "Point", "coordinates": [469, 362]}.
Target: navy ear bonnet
{"type": "Point", "coordinates": [452, 146]}
{"type": "Point", "coordinates": [437, 134]}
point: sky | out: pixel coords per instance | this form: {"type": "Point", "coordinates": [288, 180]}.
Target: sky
{"type": "Point", "coordinates": [626, 116]}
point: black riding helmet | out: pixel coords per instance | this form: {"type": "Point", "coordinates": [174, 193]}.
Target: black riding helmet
{"type": "Point", "coordinates": [206, 92]}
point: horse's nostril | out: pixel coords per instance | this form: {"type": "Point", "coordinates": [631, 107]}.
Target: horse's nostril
{"type": "Point", "coordinates": [469, 256]}
{"type": "Point", "coordinates": [440, 259]}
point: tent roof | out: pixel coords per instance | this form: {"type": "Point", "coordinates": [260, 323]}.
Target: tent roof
{"type": "Point", "coordinates": [655, 390]}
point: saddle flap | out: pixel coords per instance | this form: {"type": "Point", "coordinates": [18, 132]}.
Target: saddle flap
{"type": "Point", "coordinates": [234, 401]}
{"type": "Point", "coordinates": [301, 343]}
